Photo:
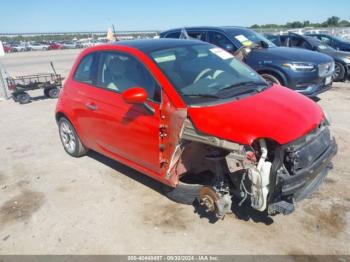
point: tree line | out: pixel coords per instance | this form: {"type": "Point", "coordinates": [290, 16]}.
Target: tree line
{"type": "Point", "coordinates": [333, 21]}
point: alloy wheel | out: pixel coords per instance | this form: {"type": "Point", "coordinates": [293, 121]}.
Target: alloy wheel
{"type": "Point", "coordinates": [68, 137]}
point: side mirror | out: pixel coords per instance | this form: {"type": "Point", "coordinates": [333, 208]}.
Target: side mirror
{"type": "Point", "coordinates": [135, 95]}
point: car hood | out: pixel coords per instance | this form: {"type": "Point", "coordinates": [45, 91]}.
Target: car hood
{"type": "Point", "coordinates": [277, 113]}
{"type": "Point", "coordinates": [291, 54]}
{"type": "Point", "coordinates": [338, 54]}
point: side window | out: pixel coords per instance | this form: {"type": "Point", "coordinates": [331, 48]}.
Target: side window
{"type": "Point", "coordinates": [319, 37]}
{"type": "Point", "coordinates": [119, 72]}
{"type": "Point", "coordinates": [85, 70]}
{"type": "Point", "coordinates": [197, 35]}
{"type": "Point", "coordinates": [173, 35]}
{"type": "Point", "coordinates": [326, 40]}
{"type": "Point", "coordinates": [299, 43]}
{"type": "Point", "coordinates": [222, 41]}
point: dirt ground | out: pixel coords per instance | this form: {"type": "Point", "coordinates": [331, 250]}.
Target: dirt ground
{"type": "Point", "coordinates": [51, 203]}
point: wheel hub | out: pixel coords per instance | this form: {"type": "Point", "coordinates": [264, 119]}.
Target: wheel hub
{"type": "Point", "coordinates": [68, 138]}
{"type": "Point", "coordinates": [208, 197]}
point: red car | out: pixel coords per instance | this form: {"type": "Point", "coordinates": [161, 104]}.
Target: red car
{"type": "Point", "coordinates": [191, 116]}
{"type": "Point", "coordinates": [7, 49]}
{"type": "Point", "coordinates": [55, 46]}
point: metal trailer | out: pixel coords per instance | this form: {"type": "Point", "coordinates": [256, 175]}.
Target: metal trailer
{"type": "Point", "coordinates": [51, 83]}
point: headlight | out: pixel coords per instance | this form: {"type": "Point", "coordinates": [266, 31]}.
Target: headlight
{"type": "Point", "coordinates": [347, 59]}
{"type": "Point", "coordinates": [300, 67]}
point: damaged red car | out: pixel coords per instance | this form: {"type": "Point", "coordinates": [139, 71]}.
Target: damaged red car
{"type": "Point", "coordinates": [191, 116]}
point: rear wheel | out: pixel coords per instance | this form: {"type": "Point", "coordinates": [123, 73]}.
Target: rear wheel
{"type": "Point", "coordinates": [69, 138]}
{"type": "Point", "coordinates": [339, 72]}
{"type": "Point", "coordinates": [271, 79]}
{"type": "Point", "coordinates": [53, 92]}
{"type": "Point", "coordinates": [23, 98]}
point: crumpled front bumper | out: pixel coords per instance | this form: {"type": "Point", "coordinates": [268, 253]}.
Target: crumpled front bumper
{"type": "Point", "coordinates": [309, 164]}
{"type": "Point", "coordinates": [307, 180]}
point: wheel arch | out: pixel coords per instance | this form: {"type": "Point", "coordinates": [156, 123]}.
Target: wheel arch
{"type": "Point", "coordinates": [336, 60]}
{"type": "Point", "coordinates": [59, 115]}
{"type": "Point", "coordinates": [280, 76]}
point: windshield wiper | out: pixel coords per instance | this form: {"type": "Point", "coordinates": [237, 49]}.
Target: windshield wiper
{"type": "Point", "coordinates": [202, 95]}
{"type": "Point", "coordinates": [247, 83]}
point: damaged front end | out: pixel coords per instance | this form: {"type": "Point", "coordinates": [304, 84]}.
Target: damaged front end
{"type": "Point", "coordinates": [269, 176]}
{"type": "Point", "coordinates": [301, 166]}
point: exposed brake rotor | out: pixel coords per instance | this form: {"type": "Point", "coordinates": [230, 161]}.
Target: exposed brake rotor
{"type": "Point", "coordinates": [208, 197]}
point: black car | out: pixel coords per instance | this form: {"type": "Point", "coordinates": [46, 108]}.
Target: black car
{"type": "Point", "coordinates": [333, 41]}
{"type": "Point", "coordinates": [342, 59]}
{"type": "Point", "coordinates": [304, 71]}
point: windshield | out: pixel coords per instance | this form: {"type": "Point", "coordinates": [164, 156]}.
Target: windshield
{"type": "Point", "coordinates": [249, 37]}
{"type": "Point", "coordinates": [202, 73]}
{"type": "Point", "coordinates": [319, 44]}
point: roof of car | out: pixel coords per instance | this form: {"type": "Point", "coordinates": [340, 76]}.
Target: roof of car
{"type": "Point", "coordinates": [151, 45]}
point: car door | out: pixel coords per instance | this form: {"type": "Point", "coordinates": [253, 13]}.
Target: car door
{"type": "Point", "coordinates": [171, 124]}
{"type": "Point", "coordinates": [127, 132]}
{"type": "Point", "coordinates": [81, 98]}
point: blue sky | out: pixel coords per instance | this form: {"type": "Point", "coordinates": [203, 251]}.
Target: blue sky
{"type": "Point", "coordinates": [79, 15]}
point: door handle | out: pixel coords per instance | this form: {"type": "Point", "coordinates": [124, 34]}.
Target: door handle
{"type": "Point", "coordinates": [91, 106]}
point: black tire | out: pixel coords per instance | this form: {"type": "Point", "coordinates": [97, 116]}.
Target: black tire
{"type": "Point", "coordinates": [79, 149]}
{"type": "Point", "coordinates": [183, 193]}
{"type": "Point", "coordinates": [339, 72]}
{"type": "Point", "coordinates": [23, 98]}
{"type": "Point", "coordinates": [271, 78]}
{"type": "Point", "coordinates": [53, 92]}
{"type": "Point", "coordinates": [46, 92]}
{"type": "Point", "coordinates": [14, 97]}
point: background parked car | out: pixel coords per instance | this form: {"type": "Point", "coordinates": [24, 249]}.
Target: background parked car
{"type": "Point", "coordinates": [304, 71]}
{"type": "Point", "coordinates": [84, 43]}
{"type": "Point", "coordinates": [69, 44]}
{"type": "Point", "coordinates": [38, 46]}
{"type": "Point", "coordinates": [19, 47]}
{"type": "Point", "coordinates": [342, 59]}
{"type": "Point", "coordinates": [55, 46]}
{"type": "Point", "coordinates": [7, 48]}
{"type": "Point", "coordinates": [333, 41]}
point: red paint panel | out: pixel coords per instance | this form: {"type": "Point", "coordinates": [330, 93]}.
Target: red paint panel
{"type": "Point", "coordinates": [277, 113]}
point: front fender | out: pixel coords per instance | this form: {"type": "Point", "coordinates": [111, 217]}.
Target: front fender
{"type": "Point", "coordinates": [269, 69]}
